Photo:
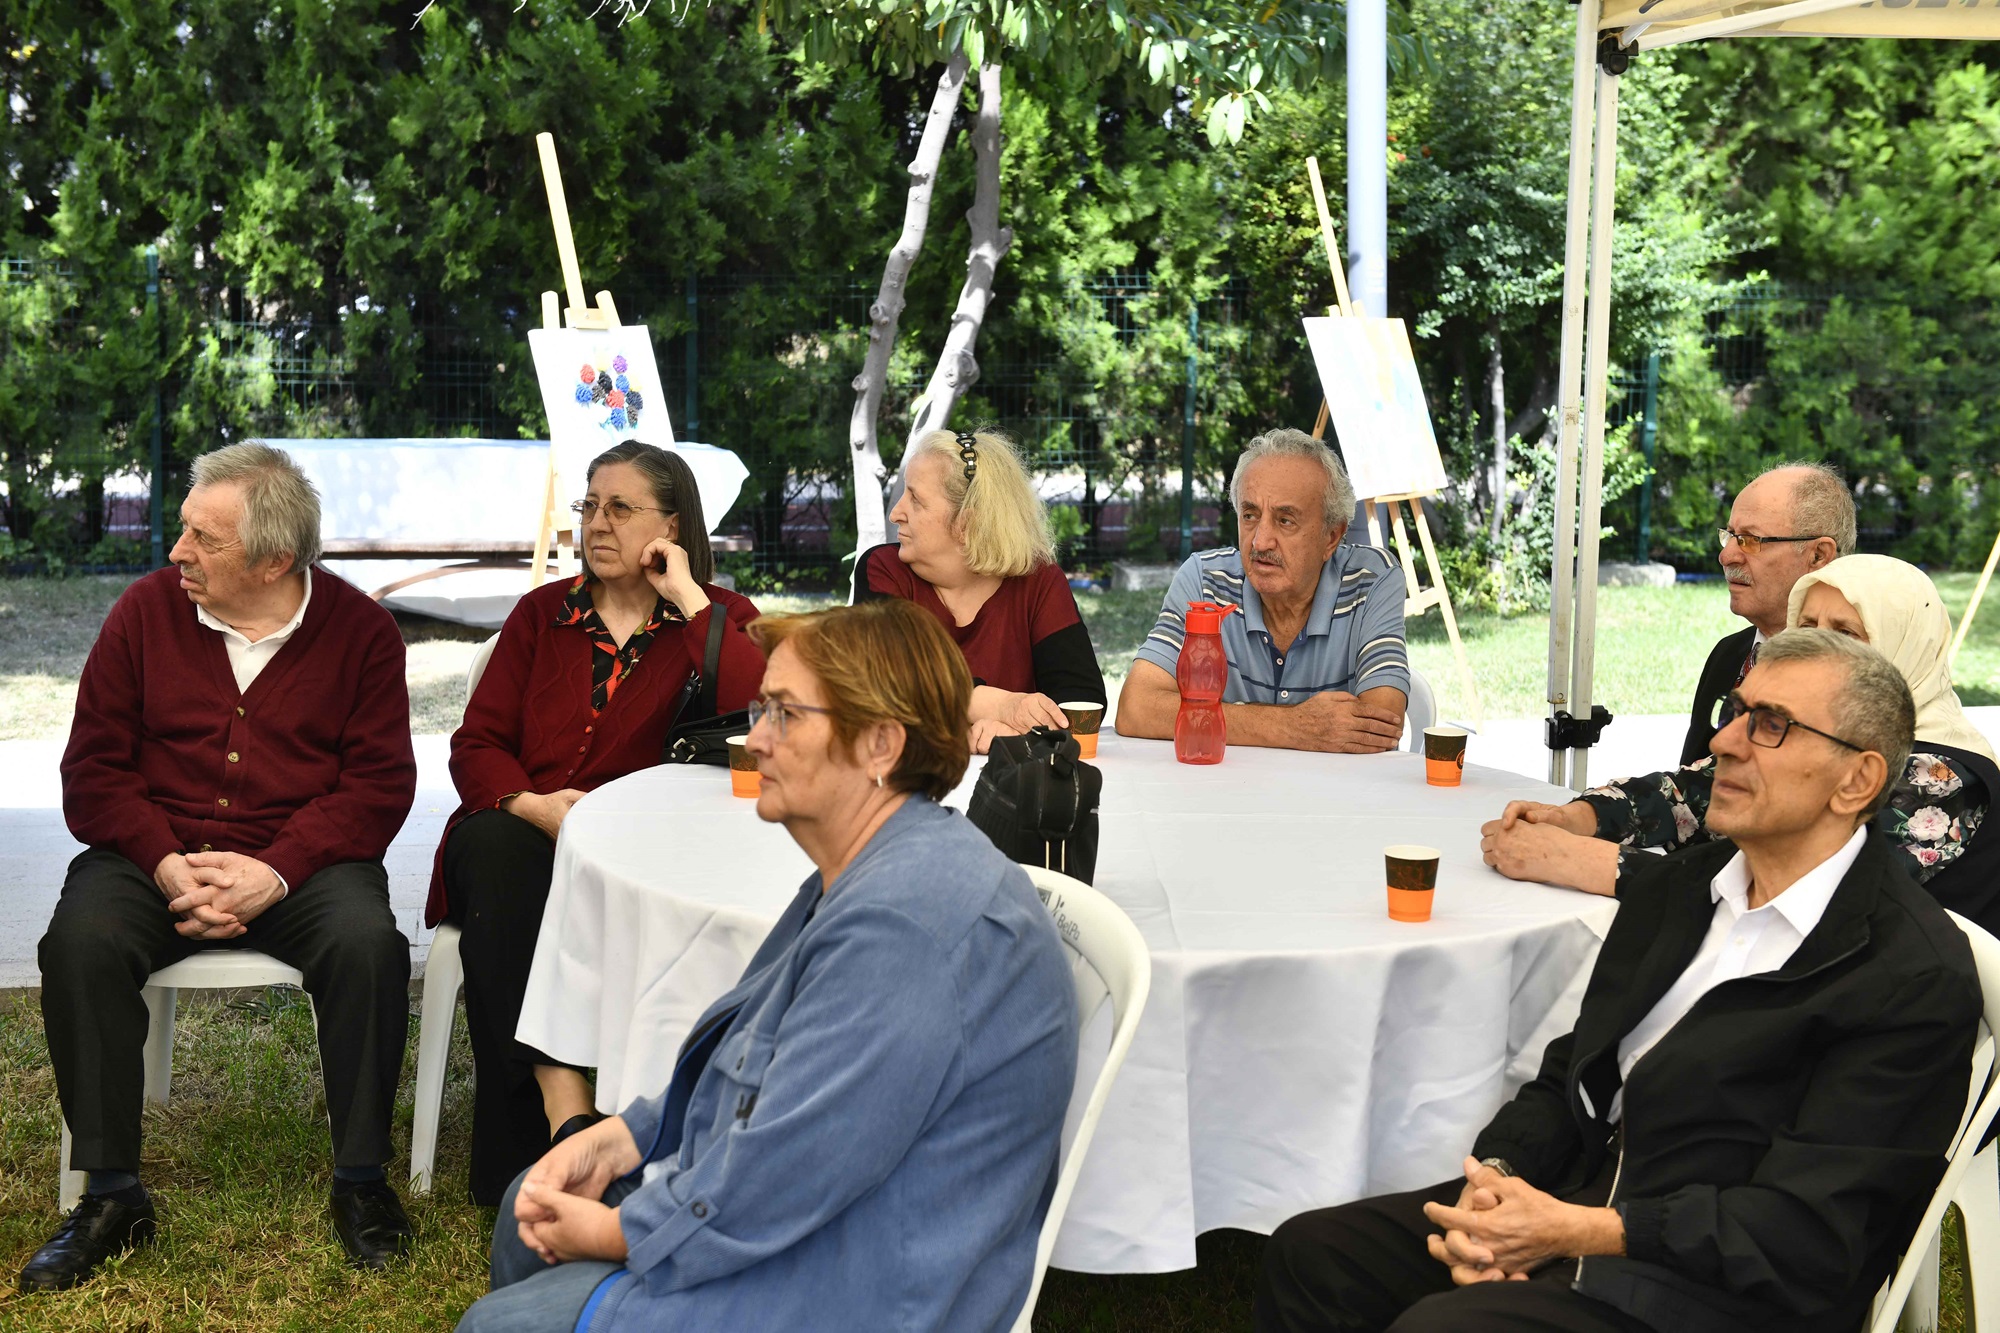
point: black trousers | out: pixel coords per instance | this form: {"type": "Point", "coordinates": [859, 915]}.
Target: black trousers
{"type": "Point", "coordinates": [1363, 1268]}
{"type": "Point", "coordinates": [497, 869]}
{"type": "Point", "coordinates": [111, 928]}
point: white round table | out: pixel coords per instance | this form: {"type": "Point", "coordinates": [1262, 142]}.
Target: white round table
{"type": "Point", "coordinates": [1299, 1050]}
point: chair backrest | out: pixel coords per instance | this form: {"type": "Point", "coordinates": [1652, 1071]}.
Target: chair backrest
{"type": "Point", "coordinates": [1421, 711]}
{"type": "Point", "coordinates": [480, 658]}
{"type": "Point", "coordinates": [1108, 958]}
{"type": "Point", "coordinates": [1982, 1105]}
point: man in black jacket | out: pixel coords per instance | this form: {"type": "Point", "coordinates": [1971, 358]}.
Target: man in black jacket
{"type": "Point", "coordinates": [1790, 520]}
{"type": "Point", "coordinates": [1744, 1126]}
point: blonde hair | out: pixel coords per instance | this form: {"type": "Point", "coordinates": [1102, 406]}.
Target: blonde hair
{"type": "Point", "coordinates": [886, 661]}
{"type": "Point", "coordinates": [280, 503]}
{"type": "Point", "coordinates": [1006, 526]}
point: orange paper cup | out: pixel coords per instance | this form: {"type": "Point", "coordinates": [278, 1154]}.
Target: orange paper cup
{"type": "Point", "coordinates": [1444, 755]}
{"type": "Point", "coordinates": [1084, 720]}
{"type": "Point", "coordinates": [1412, 881]}
{"type": "Point", "coordinates": [744, 779]}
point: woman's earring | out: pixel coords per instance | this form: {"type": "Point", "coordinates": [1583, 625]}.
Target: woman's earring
{"type": "Point", "coordinates": [878, 781]}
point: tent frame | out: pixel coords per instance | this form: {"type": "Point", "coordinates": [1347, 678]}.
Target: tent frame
{"type": "Point", "coordinates": [1608, 32]}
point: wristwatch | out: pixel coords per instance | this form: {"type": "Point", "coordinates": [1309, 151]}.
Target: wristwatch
{"type": "Point", "coordinates": [1499, 1164]}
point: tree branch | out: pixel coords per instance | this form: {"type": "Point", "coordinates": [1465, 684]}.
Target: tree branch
{"type": "Point", "coordinates": [870, 522]}
{"type": "Point", "coordinates": [957, 368]}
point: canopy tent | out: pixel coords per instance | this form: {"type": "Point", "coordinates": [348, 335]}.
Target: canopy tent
{"type": "Point", "coordinates": [1608, 32]}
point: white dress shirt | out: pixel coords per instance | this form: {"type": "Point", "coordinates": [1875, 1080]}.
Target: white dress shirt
{"type": "Point", "coordinates": [1739, 943]}
{"type": "Point", "coordinates": [247, 659]}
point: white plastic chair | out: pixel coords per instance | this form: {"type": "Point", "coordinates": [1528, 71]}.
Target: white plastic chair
{"type": "Point", "coordinates": [1108, 959]}
{"type": "Point", "coordinates": [443, 976]}
{"type": "Point", "coordinates": [1420, 712]}
{"type": "Point", "coordinates": [211, 969]}
{"type": "Point", "coordinates": [1971, 1181]}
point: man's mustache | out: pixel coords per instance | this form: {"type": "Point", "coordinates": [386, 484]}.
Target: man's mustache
{"type": "Point", "coordinates": [1738, 576]}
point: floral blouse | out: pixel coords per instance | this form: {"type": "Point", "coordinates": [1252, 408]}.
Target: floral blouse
{"type": "Point", "coordinates": [608, 662]}
{"type": "Point", "coordinates": [1931, 815]}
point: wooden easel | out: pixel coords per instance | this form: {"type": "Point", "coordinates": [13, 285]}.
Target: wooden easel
{"type": "Point", "coordinates": [1417, 598]}
{"type": "Point", "coordinates": [555, 524]}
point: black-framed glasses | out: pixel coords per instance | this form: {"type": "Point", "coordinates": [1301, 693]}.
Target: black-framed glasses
{"type": "Point", "coordinates": [780, 711]}
{"type": "Point", "coordinates": [968, 453]}
{"type": "Point", "coordinates": [1769, 727]}
{"type": "Point", "coordinates": [617, 511]}
{"type": "Point", "coordinates": [1750, 543]}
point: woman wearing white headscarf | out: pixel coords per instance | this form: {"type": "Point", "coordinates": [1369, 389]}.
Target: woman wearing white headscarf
{"type": "Point", "coordinates": [1939, 805]}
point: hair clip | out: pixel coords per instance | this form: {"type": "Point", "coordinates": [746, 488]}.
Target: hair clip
{"type": "Point", "coordinates": [968, 452]}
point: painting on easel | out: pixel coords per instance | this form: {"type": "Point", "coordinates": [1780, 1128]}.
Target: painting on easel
{"type": "Point", "coordinates": [600, 386]}
{"type": "Point", "coordinates": [1376, 401]}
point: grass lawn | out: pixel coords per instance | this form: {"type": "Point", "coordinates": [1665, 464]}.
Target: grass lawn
{"type": "Point", "coordinates": [238, 1165]}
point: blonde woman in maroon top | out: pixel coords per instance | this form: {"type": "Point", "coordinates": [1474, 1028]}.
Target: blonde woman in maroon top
{"type": "Point", "coordinates": [583, 686]}
{"type": "Point", "coordinates": [973, 549]}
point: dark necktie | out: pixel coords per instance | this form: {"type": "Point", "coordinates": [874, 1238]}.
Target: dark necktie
{"type": "Point", "coordinates": [1748, 662]}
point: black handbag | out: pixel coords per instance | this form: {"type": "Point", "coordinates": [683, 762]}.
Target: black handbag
{"type": "Point", "coordinates": [698, 736]}
{"type": "Point", "coordinates": [1037, 800]}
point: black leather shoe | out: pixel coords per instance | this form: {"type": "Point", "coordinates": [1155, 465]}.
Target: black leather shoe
{"type": "Point", "coordinates": [371, 1223]}
{"type": "Point", "coordinates": [96, 1229]}
{"type": "Point", "coordinates": [576, 1124]}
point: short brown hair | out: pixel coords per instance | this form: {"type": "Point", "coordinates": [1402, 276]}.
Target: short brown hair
{"type": "Point", "coordinates": [887, 661]}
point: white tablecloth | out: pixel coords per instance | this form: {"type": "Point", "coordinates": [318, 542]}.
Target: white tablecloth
{"type": "Point", "coordinates": [1300, 1049]}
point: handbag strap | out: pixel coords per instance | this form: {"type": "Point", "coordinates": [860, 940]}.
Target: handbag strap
{"type": "Point", "coordinates": [711, 658]}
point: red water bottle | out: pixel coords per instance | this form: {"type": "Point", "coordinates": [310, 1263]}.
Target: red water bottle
{"type": "Point", "coordinates": [1202, 672]}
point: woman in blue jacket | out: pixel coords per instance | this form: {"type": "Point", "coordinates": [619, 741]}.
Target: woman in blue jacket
{"type": "Point", "coordinates": [863, 1133]}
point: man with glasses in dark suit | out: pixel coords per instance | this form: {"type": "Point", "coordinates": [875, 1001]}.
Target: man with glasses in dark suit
{"type": "Point", "coordinates": [1770, 1060]}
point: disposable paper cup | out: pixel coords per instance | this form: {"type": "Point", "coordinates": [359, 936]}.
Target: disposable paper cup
{"type": "Point", "coordinates": [744, 779]}
{"type": "Point", "coordinates": [1084, 720]}
{"type": "Point", "coordinates": [1444, 755]}
{"type": "Point", "coordinates": [1412, 873]}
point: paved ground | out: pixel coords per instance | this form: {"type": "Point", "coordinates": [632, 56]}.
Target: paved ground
{"type": "Point", "coordinates": [35, 846]}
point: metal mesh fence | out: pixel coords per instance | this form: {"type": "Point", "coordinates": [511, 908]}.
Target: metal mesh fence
{"type": "Point", "coordinates": [1093, 381]}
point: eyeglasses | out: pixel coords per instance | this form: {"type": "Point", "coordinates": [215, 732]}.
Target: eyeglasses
{"type": "Point", "coordinates": [1769, 727]}
{"type": "Point", "coordinates": [780, 711]}
{"type": "Point", "coordinates": [617, 511]}
{"type": "Point", "coordinates": [1749, 543]}
{"type": "Point", "coordinates": [968, 453]}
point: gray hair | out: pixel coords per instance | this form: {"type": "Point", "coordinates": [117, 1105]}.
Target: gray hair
{"type": "Point", "coordinates": [1287, 443]}
{"type": "Point", "coordinates": [1873, 710]}
{"type": "Point", "coordinates": [280, 503]}
{"type": "Point", "coordinates": [1822, 504]}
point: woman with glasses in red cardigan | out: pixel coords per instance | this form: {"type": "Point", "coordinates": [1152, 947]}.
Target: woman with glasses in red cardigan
{"type": "Point", "coordinates": [587, 678]}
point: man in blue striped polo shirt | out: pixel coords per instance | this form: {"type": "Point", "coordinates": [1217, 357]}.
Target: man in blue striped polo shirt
{"type": "Point", "coordinates": [1316, 656]}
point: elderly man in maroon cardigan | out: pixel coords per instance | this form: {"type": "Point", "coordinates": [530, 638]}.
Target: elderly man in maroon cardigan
{"type": "Point", "coordinates": [236, 770]}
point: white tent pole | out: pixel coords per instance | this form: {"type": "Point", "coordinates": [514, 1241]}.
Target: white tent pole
{"type": "Point", "coordinates": [1658, 37]}
{"type": "Point", "coordinates": [1368, 155]}
{"type": "Point", "coordinates": [1604, 190]}
{"type": "Point", "coordinates": [1575, 285]}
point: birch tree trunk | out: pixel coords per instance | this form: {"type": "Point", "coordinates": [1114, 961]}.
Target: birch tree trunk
{"type": "Point", "coordinates": [870, 521]}
{"type": "Point", "coordinates": [957, 369]}
{"type": "Point", "coordinates": [1496, 371]}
